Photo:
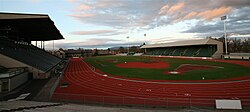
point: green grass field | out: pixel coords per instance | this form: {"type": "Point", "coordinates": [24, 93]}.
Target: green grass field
{"type": "Point", "coordinates": [104, 64]}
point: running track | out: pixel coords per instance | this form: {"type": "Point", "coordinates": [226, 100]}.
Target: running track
{"type": "Point", "coordinates": [87, 85]}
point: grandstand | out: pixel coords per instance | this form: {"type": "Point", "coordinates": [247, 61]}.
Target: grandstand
{"type": "Point", "coordinates": [84, 80]}
{"type": "Point", "coordinates": [9, 78]}
{"type": "Point", "coordinates": [16, 51]}
{"type": "Point", "coordinates": [190, 48]}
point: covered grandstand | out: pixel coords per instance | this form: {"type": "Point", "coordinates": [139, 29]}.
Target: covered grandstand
{"type": "Point", "coordinates": [189, 48]}
{"type": "Point", "coordinates": [16, 51]}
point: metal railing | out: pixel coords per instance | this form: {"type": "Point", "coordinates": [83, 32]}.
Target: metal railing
{"type": "Point", "coordinates": [13, 72]}
{"type": "Point", "coordinates": [53, 88]}
{"type": "Point", "coordinates": [138, 101]}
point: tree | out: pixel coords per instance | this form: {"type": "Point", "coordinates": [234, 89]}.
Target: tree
{"type": "Point", "coordinates": [95, 52]}
{"type": "Point", "coordinates": [122, 50]}
{"type": "Point", "coordinates": [246, 46]}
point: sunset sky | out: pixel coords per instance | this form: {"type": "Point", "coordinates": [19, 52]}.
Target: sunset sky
{"type": "Point", "coordinates": [108, 23]}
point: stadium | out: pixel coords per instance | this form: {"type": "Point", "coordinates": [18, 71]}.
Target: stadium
{"type": "Point", "coordinates": [192, 74]}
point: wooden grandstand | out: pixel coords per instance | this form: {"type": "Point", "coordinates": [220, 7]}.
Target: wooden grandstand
{"type": "Point", "coordinates": [190, 48]}
{"type": "Point", "coordinates": [16, 51]}
{"type": "Point", "coordinates": [20, 55]}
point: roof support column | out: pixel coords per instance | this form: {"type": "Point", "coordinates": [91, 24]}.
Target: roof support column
{"type": "Point", "coordinates": [43, 45]}
{"type": "Point", "coordinates": [53, 47]}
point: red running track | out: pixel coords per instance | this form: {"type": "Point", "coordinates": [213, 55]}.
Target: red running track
{"type": "Point", "coordinates": [86, 85]}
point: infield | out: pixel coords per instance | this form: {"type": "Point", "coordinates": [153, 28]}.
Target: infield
{"type": "Point", "coordinates": [154, 69]}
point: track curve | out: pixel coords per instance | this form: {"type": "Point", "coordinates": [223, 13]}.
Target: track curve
{"type": "Point", "coordinates": [83, 81]}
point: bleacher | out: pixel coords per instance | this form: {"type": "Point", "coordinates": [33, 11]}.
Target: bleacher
{"type": "Point", "coordinates": [28, 54]}
{"type": "Point", "coordinates": [178, 51]}
{"type": "Point", "coordinates": [207, 47]}
{"type": "Point", "coordinates": [193, 51]}
{"type": "Point", "coordinates": [170, 51]}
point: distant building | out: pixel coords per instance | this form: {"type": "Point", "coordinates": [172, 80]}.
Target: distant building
{"type": "Point", "coordinates": [102, 52]}
{"type": "Point", "coordinates": [78, 53]}
{"type": "Point", "coordinates": [59, 53]}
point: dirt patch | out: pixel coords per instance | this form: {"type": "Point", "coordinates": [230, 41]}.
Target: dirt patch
{"type": "Point", "coordinates": [156, 65]}
{"type": "Point", "coordinates": [189, 67]}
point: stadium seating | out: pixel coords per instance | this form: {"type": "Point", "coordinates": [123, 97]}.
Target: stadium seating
{"type": "Point", "coordinates": [178, 51]}
{"type": "Point", "coordinates": [28, 54]}
{"type": "Point", "coordinates": [206, 51]}
{"type": "Point", "coordinates": [190, 51]}
{"type": "Point", "coordinates": [161, 51]}
{"type": "Point", "coordinates": [170, 51]}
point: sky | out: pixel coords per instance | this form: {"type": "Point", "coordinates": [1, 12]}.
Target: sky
{"type": "Point", "coordinates": [112, 23]}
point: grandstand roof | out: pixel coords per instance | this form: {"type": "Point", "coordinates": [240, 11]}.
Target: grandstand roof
{"type": "Point", "coordinates": [30, 27]}
{"type": "Point", "coordinates": [183, 43]}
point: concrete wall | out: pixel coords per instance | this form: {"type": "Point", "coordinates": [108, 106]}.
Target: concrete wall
{"type": "Point", "coordinates": [219, 51]}
{"type": "Point", "coordinates": [236, 57]}
{"type": "Point", "coordinates": [240, 54]}
{"type": "Point", "coordinates": [10, 63]}
{"type": "Point", "coordinates": [18, 80]}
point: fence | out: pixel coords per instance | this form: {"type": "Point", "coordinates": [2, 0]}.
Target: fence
{"type": "Point", "coordinates": [53, 88]}
{"type": "Point", "coordinates": [13, 72]}
{"type": "Point", "coordinates": [137, 101]}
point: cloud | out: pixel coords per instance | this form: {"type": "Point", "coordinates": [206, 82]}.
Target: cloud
{"type": "Point", "coordinates": [176, 7]}
{"type": "Point", "coordinates": [93, 32]}
{"type": "Point", "coordinates": [238, 22]}
{"type": "Point", "coordinates": [118, 14]}
{"type": "Point", "coordinates": [73, 1]}
{"type": "Point", "coordinates": [35, 1]}
{"type": "Point", "coordinates": [190, 15]}
{"type": "Point", "coordinates": [128, 15]}
{"type": "Point", "coordinates": [82, 15]}
{"type": "Point", "coordinates": [83, 7]}
{"type": "Point", "coordinates": [234, 3]}
{"type": "Point", "coordinates": [166, 9]}
{"type": "Point", "coordinates": [186, 11]}
{"type": "Point", "coordinates": [95, 43]}
{"type": "Point", "coordinates": [215, 13]}
{"type": "Point", "coordinates": [98, 32]}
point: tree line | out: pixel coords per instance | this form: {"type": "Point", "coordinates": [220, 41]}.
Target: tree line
{"type": "Point", "coordinates": [237, 45]}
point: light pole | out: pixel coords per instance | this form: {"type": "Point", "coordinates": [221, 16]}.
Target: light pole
{"type": "Point", "coordinates": [128, 44]}
{"type": "Point", "coordinates": [145, 43]}
{"type": "Point", "coordinates": [225, 34]}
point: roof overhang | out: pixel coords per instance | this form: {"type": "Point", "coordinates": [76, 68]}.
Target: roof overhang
{"type": "Point", "coordinates": [30, 27]}
{"type": "Point", "coordinates": [183, 43]}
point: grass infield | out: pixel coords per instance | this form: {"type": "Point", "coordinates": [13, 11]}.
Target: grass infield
{"type": "Point", "coordinates": [108, 64]}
